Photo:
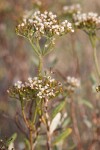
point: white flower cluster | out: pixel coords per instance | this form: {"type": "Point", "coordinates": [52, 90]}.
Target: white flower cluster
{"type": "Point", "coordinates": [19, 84]}
{"type": "Point", "coordinates": [88, 20]}
{"type": "Point", "coordinates": [45, 87]}
{"type": "Point", "coordinates": [72, 83]}
{"type": "Point", "coordinates": [73, 9]}
{"type": "Point", "coordinates": [46, 23]}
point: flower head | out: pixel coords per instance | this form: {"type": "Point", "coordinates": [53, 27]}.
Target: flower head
{"type": "Point", "coordinates": [43, 24]}
{"type": "Point", "coordinates": [89, 22]}
{"type": "Point", "coordinates": [72, 9]}
{"type": "Point", "coordinates": [40, 26]}
{"type": "Point", "coordinates": [36, 88]}
{"type": "Point", "coordinates": [71, 84]}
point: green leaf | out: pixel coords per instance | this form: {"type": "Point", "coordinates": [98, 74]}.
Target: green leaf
{"type": "Point", "coordinates": [87, 103]}
{"type": "Point", "coordinates": [62, 136]}
{"type": "Point", "coordinates": [66, 122]}
{"type": "Point", "coordinates": [93, 78]}
{"type": "Point", "coordinates": [27, 144]}
{"type": "Point", "coordinates": [58, 109]}
{"type": "Point", "coordinates": [11, 139]}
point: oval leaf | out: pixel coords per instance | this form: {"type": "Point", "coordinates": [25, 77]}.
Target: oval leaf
{"type": "Point", "coordinates": [58, 109]}
{"type": "Point", "coordinates": [55, 122]}
{"type": "Point", "coordinates": [87, 103]}
{"type": "Point", "coordinates": [62, 136]}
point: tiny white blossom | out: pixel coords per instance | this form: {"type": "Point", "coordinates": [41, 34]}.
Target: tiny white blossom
{"type": "Point", "coordinates": [44, 23]}
{"type": "Point", "coordinates": [88, 20]}
{"type": "Point", "coordinates": [72, 83]}
{"type": "Point", "coordinates": [18, 84]}
{"type": "Point", "coordinates": [38, 87]}
{"type": "Point", "coordinates": [72, 9]}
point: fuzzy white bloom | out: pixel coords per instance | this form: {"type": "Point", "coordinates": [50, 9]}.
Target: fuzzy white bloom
{"type": "Point", "coordinates": [76, 8]}
{"type": "Point", "coordinates": [44, 24]}
{"type": "Point", "coordinates": [30, 79]}
{"type": "Point", "coordinates": [89, 20]}
{"type": "Point", "coordinates": [19, 84]}
{"type": "Point", "coordinates": [43, 87]}
{"type": "Point", "coordinates": [72, 83]}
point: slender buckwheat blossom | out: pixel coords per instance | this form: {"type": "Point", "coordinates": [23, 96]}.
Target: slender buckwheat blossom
{"type": "Point", "coordinates": [43, 25]}
{"type": "Point", "coordinates": [71, 84]}
{"type": "Point", "coordinates": [36, 92]}
{"type": "Point", "coordinates": [89, 22]}
{"type": "Point", "coordinates": [39, 88]}
{"type": "Point", "coordinates": [42, 29]}
{"type": "Point", "coordinates": [72, 9]}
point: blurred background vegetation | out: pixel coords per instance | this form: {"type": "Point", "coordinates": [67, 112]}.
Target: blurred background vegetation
{"type": "Point", "coordinates": [72, 56]}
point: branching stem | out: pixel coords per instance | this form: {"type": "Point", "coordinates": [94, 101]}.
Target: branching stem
{"type": "Point", "coordinates": [29, 128]}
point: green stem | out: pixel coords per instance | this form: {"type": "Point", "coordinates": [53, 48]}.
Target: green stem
{"type": "Point", "coordinates": [40, 65]}
{"type": "Point", "coordinates": [96, 62]}
{"type": "Point", "coordinates": [34, 47]}
{"type": "Point", "coordinates": [35, 114]}
{"type": "Point", "coordinates": [93, 43]}
{"type": "Point", "coordinates": [25, 119]}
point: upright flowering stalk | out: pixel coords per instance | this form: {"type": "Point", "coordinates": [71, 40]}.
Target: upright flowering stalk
{"type": "Point", "coordinates": [67, 12]}
{"type": "Point", "coordinates": [41, 29]}
{"type": "Point", "coordinates": [89, 23]}
{"type": "Point", "coordinates": [34, 95]}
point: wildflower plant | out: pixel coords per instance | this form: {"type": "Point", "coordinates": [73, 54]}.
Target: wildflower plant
{"type": "Point", "coordinates": [42, 29]}
{"type": "Point", "coordinates": [90, 24]}
{"type": "Point", "coordinates": [40, 87]}
{"type": "Point", "coordinates": [36, 93]}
